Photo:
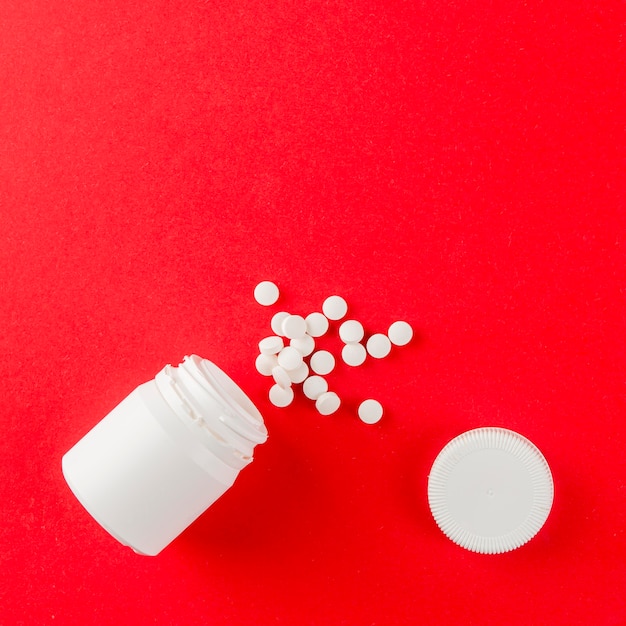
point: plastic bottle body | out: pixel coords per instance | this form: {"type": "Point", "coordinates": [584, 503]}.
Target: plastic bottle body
{"type": "Point", "coordinates": [150, 468]}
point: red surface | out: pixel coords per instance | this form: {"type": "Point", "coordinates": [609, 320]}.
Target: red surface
{"type": "Point", "coordinates": [459, 165]}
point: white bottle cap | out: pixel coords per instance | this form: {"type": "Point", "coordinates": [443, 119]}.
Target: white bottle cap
{"type": "Point", "coordinates": [490, 490]}
{"type": "Point", "coordinates": [163, 455]}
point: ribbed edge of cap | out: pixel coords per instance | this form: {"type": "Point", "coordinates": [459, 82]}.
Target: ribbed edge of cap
{"type": "Point", "coordinates": [506, 441]}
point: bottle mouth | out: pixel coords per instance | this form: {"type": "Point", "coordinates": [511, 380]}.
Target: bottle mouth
{"type": "Point", "coordinates": [215, 407]}
{"type": "Point", "coordinates": [232, 394]}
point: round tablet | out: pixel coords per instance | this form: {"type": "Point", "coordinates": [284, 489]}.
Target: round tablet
{"type": "Point", "coordinates": [266, 293]}
{"type": "Point", "coordinates": [271, 345]}
{"type": "Point", "coordinates": [353, 354]}
{"type": "Point", "coordinates": [316, 324]}
{"type": "Point", "coordinates": [281, 377]}
{"type": "Point", "coordinates": [304, 345]}
{"type": "Point", "coordinates": [490, 490]}
{"type": "Point", "coordinates": [351, 331]}
{"type": "Point", "coordinates": [277, 322]}
{"type": "Point", "coordinates": [314, 386]}
{"type": "Point", "coordinates": [289, 358]}
{"type": "Point", "coordinates": [370, 411]}
{"type": "Point", "coordinates": [327, 403]}
{"type": "Point", "coordinates": [400, 333]}
{"type": "Point", "coordinates": [265, 363]}
{"type": "Point", "coordinates": [294, 326]}
{"type": "Point", "coordinates": [334, 307]}
{"type": "Point", "coordinates": [280, 396]}
{"type": "Point", "coordinates": [299, 374]}
{"type": "Point", "coordinates": [322, 362]}
{"type": "Point", "coordinates": [378, 346]}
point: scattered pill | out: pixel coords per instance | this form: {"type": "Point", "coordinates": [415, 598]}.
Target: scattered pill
{"type": "Point", "coordinates": [351, 331]}
{"type": "Point", "coordinates": [378, 346]}
{"type": "Point", "coordinates": [280, 396]}
{"type": "Point", "coordinates": [327, 403]}
{"type": "Point", "coordinates": [304, 345]}
{"type": "Point", "coordinates": [334, 307]}
{"type": "Point", "coordinates": [265, 363]}
{"type": "Point", "coordinates": [400, 333]}
{"type": "Point", "coordinates": [266, 293]}
{"type": "Point", "coordinates": [281, 377]}
{"type": "Point", "coordinates": [299, 374]}
{"type": "Point", "coordinates": [370, 411]}
{"type": "Point", "coordinates": [316, 324]}
{"type": "Point", "coordinates": [271, 345]}
{"type": "Point", "coordinates": [286, 363]}
{"type": "Point", "coordinates": [354, 354]}
{"type": "Point", "coordinates": [314, 387]}
{"type": "Point", "coordinates": [289, 358]}
{"type": "Point", "coordinates": [277, 322]}
{"type": "Point", "coordinates": [322, 362]}
{"type": "Point", "coordinates": [294, 326]}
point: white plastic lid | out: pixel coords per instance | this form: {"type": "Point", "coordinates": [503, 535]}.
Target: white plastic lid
{"type": "Point", "coordinates": [490, 490]}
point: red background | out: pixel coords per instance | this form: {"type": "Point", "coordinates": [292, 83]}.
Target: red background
{"type": "Point", "coordinates": [458, 165]}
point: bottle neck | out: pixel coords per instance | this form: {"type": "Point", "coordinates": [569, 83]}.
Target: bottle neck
{"type": "Point", "coordinates": [213, 406]}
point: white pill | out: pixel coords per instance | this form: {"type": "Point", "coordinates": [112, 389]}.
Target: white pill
{"type": "Point", "coordinates": [353, 354]}
{"type": "Point", "coordinates": [299, 374]}
{"type": "Point", "coordinates": [294, 326]}
{"type": "Point", "coordinates": [277, 322]}
{"type": "Point", "coordinates": [266, 293]}
{"type": "Point", "coordinates": [327, 403]}
{"type": "Point", "coordinates": [281, 397]}
{"type": "Point", "coordinates": [281, 377]}
{"type": "Point", "coordinates": [322, 362]}
{"type": "Point", "coordinates": [271, 345]}
{"type": "Point", "coordinates": [378, 346]}
{"type": "Point", "coordinates": [334, 307]}
{"type": "Point", "coordinates": [304, 345]}
{"type": "Point", "coordinates": [265, 363]}
{"type": "Point", "coordinates": [351, 331]}
{"type": "Point", "coordinates": [370, 411]}
{"type": "Point", "coordinates": [314, 387]}
{"type": "Point", "coordinates": [289, 358]}
{"type": "Point", "coordinates": [316, 324]}
{"type": "Point", "coordinates": [400, 333]}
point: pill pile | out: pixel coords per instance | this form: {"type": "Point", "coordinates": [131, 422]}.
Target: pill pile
{"type": "Point", "coordinates": [298, 361]}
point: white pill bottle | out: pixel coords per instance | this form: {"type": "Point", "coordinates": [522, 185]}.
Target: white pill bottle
{"type": "Point", "coordinates": [162, 456]}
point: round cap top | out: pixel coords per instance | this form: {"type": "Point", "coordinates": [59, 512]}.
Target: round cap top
{"type": "Point", "coordinates": [490, 490]}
